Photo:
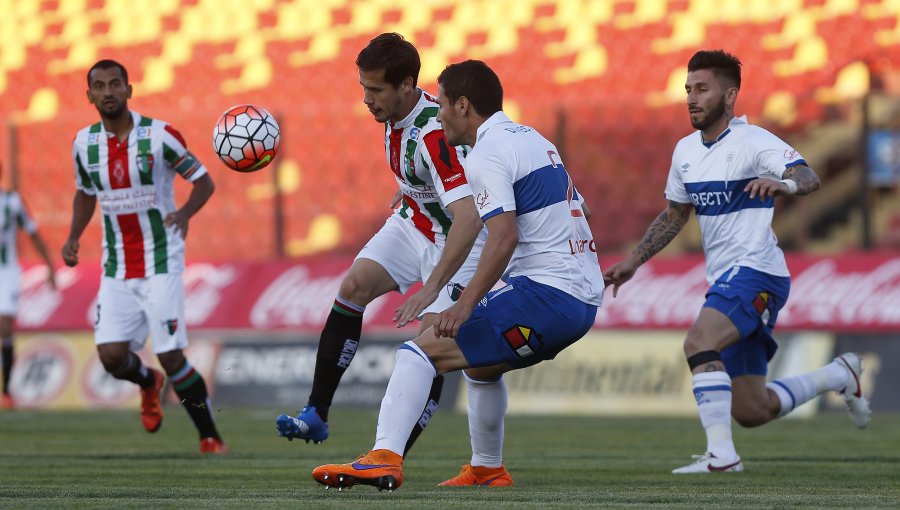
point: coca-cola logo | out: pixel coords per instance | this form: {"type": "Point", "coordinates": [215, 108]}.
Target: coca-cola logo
{"type": "Point", "coordinates": [39, 301]}
{"type": "Point", "coordinates": [655, 299]}
{"type": "Point", "coordinates": [297, 299]}
{"type": "Point", "coordinates": [822, 294]}
{"type": "Point", "coordinates": [204, 286]}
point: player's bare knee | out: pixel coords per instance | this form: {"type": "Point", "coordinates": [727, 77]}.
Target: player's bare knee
{"type": "Point", "coordinates": [355, 290]}
{"type": "Point", "coordinates": [751, 417]}
{"type": "Point", "coordinates": [113, 360]}
{"type": "Point", "coordinates": [172, 361]}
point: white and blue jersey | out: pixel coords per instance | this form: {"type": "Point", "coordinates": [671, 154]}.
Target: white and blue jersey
{"type": "Point", "coordinates": [736, 229]}
{"type": "Point", "coordinates": [513, 168]}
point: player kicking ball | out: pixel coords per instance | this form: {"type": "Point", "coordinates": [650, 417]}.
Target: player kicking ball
{"type": "Point", "coordinates": [729, 172]}
{"type": "Point", "coordinates": [533, 217]}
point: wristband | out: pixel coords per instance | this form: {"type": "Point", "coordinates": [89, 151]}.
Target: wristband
{"type": "Point", "coordinates": [791, 184]}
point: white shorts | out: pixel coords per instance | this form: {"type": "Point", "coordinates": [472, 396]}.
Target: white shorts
{"type": "Point", "coordinates": [127, 310]}
{"type": "Point", "coordinates": [9, 290]}
{"type": "Point", "coordinates": [409, 257]}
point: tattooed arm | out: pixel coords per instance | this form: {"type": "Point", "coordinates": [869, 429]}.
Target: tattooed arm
{"type": "Point", "coordinates": [660, 233]}
{"type": "Point", "coordinates": [803, 176]}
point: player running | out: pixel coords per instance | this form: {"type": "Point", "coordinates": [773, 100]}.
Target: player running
{"type": "Point", "coordinates": [729, 172]}
{"type": "Point", "coordinates": [526, 199]}
{"type": "Point", "coordinates": [433, 237]}
{"type": "Point", "coordinates": [128, 163]}
{"type": "Point", "coordinates": [14, 216]}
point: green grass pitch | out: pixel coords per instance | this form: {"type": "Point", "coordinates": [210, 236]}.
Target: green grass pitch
{"type": "Point", "coordinates": [104, 459]}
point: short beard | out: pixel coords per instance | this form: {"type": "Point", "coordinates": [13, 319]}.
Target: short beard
{"type": "Point", "coordinates": [113, 114]}
{"type": "Point", "coordinates": [714, 115]}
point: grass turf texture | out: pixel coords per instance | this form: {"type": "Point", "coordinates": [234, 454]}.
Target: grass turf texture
{"type": "Point", "coordinates": [104, 459]}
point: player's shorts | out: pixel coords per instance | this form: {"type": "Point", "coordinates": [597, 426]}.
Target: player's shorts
{"type": "Point", "coordinates": [9, 290]}
{"type": "Point", "coordinates": [409, 258]}
{"type": "Point", "coordinates": [752, 300]}
{"type": "Point", "coordinates": [522, 324]}
{"type": "Point", "coordinates": [127, 310]}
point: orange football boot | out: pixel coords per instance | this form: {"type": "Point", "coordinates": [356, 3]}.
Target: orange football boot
{"type": "Point", "coordinates": [151, 409]}
{"type": "Point", "coordinates": [213, 445]}
{"type": "Point", "coordinates": [382, 469]}
{"type": "Point", "coordinates": [480, 475]}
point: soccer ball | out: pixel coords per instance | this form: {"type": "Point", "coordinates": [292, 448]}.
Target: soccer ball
{"type": "Point", "coordinates": [246, 138]}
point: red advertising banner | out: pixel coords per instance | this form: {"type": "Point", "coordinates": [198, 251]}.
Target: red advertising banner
{"type": "Point", "coordinates": [850, 292]}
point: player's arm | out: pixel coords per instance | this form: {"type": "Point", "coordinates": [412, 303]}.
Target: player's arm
{"type": "Point", "coordinates": [796, 180]}
{"type": "Point", "coordinates": [502, 239]}
{"type": "Point", "coordinates": [200, 193]}
{"type": "Point", "coordinates": [83, 206]}
{"type": "Point", "coordinates": [41, 248]}
{"type": "Point", "coordinates": [462, 235]}
{"type": "Point", "coordinates": [660, 233]}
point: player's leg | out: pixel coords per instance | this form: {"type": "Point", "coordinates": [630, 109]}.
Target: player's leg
{"type": "Point", "coordinates": [7, 353]}
{"type": "Point", "coordinates": [164, 306]}
{"type": "Point", "coordinates": [487, 401]}
{"type": "Point", "coordinates": [434, 395]}
{"type": "Point", "coordinates": [516, 327]}
{"type": "Point", "coordinates": [120, 330]}
{"type": "Point", "coordinates": [710, 333]}
{"type": "Point", "coordinates": [841, 375]}
{"type": "Point", "coordinates": [389, 261]}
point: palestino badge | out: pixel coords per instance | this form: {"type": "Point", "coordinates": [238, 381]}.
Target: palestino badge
{"type": "Point", "coordinates": [455, 290]}
{"type": "Point", "coordinates": [522, 339]}
{"type": "Point", "coordinates": [172, 325]}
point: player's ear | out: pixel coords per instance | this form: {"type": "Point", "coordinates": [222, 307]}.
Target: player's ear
{"type": "Point", "coordinates": [406, 86]}
{"type": "Point", "coordinates": [90, 98]}
{"type": "Point", "coordinates": [130, 90]}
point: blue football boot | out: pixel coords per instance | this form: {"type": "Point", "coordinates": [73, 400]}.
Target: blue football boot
{"type": "Point", "coordinates": [307, 425]}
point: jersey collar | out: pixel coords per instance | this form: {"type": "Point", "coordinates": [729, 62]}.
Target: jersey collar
{"type": "Point", "coordinates": [493, 120]}
{"type": "Point", "coordinates": [135, 119]}
{"type": "Point", "coordinates": [734, 122]}
{"type": "Point", "coordinates": [417, 109]}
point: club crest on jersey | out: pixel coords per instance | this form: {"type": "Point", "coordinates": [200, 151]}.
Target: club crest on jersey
{"type": "Point", "coordinates": [144, 162]}
{"type": "Point", "coordinates": [455, 290]}
{"type": "Point", "coordinates": [523, 339]}
{"type": "Point", "coordinates": [171, 325]}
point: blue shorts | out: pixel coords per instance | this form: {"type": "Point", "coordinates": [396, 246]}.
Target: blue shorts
{"type": "Point", "coordinates": [522, 324]}
{"type": "Point", "coordinates": [752, 300]}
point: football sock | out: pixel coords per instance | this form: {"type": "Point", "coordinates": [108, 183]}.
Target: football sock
{"type": "Point", "coordinates": [7, 352]}
{"type": "Point", "coordinates": [405, 397]}
{"type": "Point", "coordinates": [799, 389]}
{"type": "Point", "coordinates": [434, 398]}
{"type": "Point", "coordinates": [191, 389]}
{"type": "Point", "coordinates": [337, 346]}
{"type": "Point", "coordinates": [487, 408]}
{"type": "Point", "coordinates": [712, 391]}
{"type": "Point", "coordinates": [134, 370]}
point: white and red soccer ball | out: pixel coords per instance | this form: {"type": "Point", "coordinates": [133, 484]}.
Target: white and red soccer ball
{"type": "Point", "coordinates": [246, 138]}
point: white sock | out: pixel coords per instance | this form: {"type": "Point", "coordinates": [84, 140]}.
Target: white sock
{"type": "Point", "coordinates": [799, 389]}
{"type": "Point", "coordinates": [404, 399]}
{"type": "Point", "coordinates": [487, 407]}
{"type": "Point", "coordinates": [713, 393]}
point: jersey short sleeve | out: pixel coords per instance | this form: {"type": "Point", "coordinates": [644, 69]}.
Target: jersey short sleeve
{"type": "Point", "coordinates": [675, 190]}
{"type": "Point", "coordinates": [772, 155]}
{"type": "Point", "coordinates": [445, 164]}
{"type": "Point", "coordinates": [83, 180]}
{"type": "Point", "coordinates": [178, 157]}
{"type": "Point", "coordinates": [492, 184]}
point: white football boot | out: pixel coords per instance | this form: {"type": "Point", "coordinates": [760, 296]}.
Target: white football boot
{"type": "Point", "coordinates": [709, 463]}
{"type": "Point", "coordinates": [857, 405]}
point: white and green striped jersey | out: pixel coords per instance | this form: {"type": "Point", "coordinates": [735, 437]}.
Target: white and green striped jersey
{"type": "Point", "coordinates": [133, 182]}
{"type": "Point", "coordinates": [13, 216]}
{"type": "Point", "coordinates": [427, 168]}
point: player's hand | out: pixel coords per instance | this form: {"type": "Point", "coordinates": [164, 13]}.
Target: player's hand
{"type": "Point", "coordinates": [70, 252]}
{"type": "Point", "coordinates": [180, 220]}
{"type": "Point", "coordinates": [448, 322]}
{"type": "Point", "coordinates": [765, 188]}
{"type": "Point", "coordinates": [618, 274]}
{"type": "Point", "coordinates": [395, 200]}
{"type": "Point", "coordinates": [413, 306]}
